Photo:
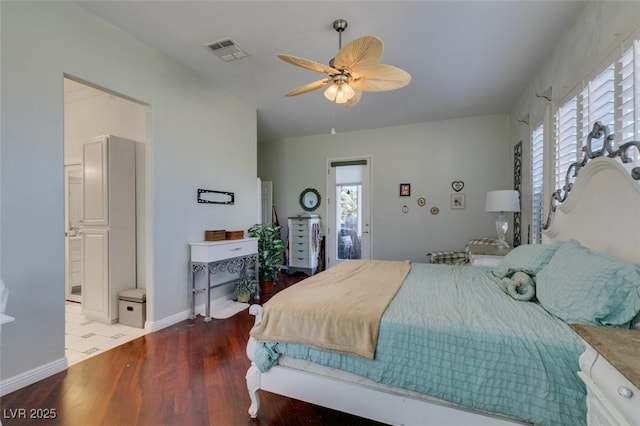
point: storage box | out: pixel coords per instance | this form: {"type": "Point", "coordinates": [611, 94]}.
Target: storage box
{"type": "Point", "coordinates": [215, 235]}
{"type": "Point", "coordinates": [132, 307]}
{"type": "Point", "coordinates": [234, 235]}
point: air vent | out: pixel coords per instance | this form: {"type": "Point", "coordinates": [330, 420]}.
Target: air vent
{"type": "Point", "coordinates": [226, 49]}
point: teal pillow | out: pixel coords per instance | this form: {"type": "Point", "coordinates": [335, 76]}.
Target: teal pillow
{"type": "Point", "coordinates": [529, 257]}
{"type": "Point", "coordinates": [581, 286]}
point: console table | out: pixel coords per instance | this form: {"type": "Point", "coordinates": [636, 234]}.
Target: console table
{"type": "Point", "coordinates": [233, 256]}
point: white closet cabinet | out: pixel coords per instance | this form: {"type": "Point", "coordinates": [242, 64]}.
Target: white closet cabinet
{"type": "Point", "coordinates": [304, 243]}
{"type": "Point", "coordinates": [109, 224]}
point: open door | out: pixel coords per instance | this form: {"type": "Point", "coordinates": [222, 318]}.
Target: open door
{"type": "Point", "coordinates": [349, 210]}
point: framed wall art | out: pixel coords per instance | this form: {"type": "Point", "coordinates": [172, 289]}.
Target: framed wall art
{"type": "Point", "coordinates": [457, 201]}
{"type": "Point", "coordinates": [405, 189]}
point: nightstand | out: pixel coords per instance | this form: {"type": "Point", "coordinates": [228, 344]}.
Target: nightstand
{"type": "Point", "coordinates": [610, 369]}
{"type": "Point", "coordinates": [486, 254]}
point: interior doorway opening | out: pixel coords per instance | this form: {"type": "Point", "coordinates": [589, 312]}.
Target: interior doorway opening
{"type": "Point", "coordinates": [89, 112]}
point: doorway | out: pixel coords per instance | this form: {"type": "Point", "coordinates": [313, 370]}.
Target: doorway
{"type": "Point", "coordinates": [349, 210]}
{"type": "Point", "coordinates": [91, 111]}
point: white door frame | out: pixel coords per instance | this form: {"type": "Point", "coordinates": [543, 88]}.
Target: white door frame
{"type": "Point", "coordinates": [265, 204]}
{"type": "Point", "coordinates": [367, 201]}
{"type": "Point", "coordinates": [69, 233]}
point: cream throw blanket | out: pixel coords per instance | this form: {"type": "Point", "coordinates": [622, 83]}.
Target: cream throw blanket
{"type": "Point", "coordinates": [337, 310]}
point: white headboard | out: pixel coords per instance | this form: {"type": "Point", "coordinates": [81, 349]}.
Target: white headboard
{"type": "Point", "coordinates": [601, 209]}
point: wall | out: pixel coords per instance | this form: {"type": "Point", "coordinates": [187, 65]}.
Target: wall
{"type": "Point", "coordinates": [199, 137]}
{"type": "Point", "coordinates": [599, 29]}
{"type": "Point", "coordinates": [430, 156]}
{"type": "Point", "coordinates": [90, 112]}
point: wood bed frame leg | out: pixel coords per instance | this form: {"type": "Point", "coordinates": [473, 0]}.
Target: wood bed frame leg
{"type": "Point", "coordinates": [253, 386]}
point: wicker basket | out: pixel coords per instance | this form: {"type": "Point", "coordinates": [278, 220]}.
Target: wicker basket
{"type": "Point", "coordinates": [215, 235]}
{"type": "Point", "coordinates": [234, 235]}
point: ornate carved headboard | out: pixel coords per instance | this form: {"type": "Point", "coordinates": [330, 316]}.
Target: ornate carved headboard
{"type": "Point", "coordinates": [599, 205]}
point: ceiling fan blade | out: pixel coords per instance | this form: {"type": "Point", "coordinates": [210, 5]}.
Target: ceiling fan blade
{"type": "Point", "coordinates": [381, 78]}
{"type": "Point", "coordinates": [360, 55]}
{"type": "Point", "coordinates": [308, 64]}
{"type": "Point", "coordinates": [354, 99]}
{"type": "Point", "coordinates": [309, 87]}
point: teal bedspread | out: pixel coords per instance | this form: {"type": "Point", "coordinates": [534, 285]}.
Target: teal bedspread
{"type": "Point", "coordinates": [451, 332]}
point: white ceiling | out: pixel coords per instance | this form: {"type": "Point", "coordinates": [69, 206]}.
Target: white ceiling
{"type": "Point", "coordinates": [466, 58]}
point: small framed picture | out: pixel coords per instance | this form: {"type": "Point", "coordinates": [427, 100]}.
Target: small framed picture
{"type": "Point", "coordinates": [457, 201]}
{"type": "Point", "coordinates": [405, 189]}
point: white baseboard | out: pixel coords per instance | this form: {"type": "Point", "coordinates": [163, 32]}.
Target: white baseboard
{"type": "Point", "coordinates": [29, 377]}
{"type": "Point", "coordinates": [166, 322]}
{"type": "Point", "coordinates": [35, 375]}
{"type": "Point", "coordinates": [181, 316]}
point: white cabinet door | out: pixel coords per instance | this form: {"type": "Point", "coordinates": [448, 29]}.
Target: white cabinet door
{"type": "Point", "coordinates": [95, 180]}
{"type": "Point", "coordinates": [95, 277]}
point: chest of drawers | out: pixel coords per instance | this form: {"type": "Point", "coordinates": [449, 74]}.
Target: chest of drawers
{"type": "Point", "coordinates": [304, 243]}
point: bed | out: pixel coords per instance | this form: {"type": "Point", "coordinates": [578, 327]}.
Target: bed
{"type": "Point", "coordinates": [469, 345]}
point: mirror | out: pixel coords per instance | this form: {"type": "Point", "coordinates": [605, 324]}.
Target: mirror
{"type": "Point", "coordinates": [215, 197]}
{"type": "Point", "coordinates": [310, 199]}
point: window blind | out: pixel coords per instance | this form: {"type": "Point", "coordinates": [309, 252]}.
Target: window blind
{"type": "Point", "coordinates": [628, 97]}
{"type": "Point", "coordinates": [537, 188]}
{"type": "Point", "coordinates": [598, 104]}
{"type": "Point", "coordinates": [565, 147]}
{"type": "Point", "coordinates": [611, 96]}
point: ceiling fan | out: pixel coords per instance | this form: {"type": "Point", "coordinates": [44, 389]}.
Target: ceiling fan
{"type": "Point", "coordinates": [354, 70]}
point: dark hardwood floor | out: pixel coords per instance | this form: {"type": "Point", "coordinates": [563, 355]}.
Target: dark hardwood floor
{"type": "Point", "coordinates": [191, 373]}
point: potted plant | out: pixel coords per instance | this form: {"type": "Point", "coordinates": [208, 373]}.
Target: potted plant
{"type": "Point", "coordinates": [244, 288]}
{"type": "Point", "coordinates": [270, 253]}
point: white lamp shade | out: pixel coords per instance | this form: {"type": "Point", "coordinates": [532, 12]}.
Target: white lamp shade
{"type": "Point", "coordinates": [507, 200]}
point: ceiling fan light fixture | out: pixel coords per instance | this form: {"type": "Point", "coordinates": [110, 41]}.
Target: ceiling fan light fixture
{"type": "Point", "coordinates": [331, 92]}
{"type": "Point", "coordinates": [355, 69]}
{"type": "Point", "coordinates": [339, 93]}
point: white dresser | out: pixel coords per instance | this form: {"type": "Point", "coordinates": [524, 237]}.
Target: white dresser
{"type": "Point", "coordinates": [610, 369]}
{"type": "Point", "coordinates": [304, 243]}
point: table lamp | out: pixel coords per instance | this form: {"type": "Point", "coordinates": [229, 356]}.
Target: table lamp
{"type": "Point", "coordinates": [502, 201]}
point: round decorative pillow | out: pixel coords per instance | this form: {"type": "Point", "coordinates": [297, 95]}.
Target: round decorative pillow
{"type": "Point", "coordinates": [520, 286]}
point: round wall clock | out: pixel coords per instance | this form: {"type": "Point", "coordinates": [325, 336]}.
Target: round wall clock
{"type": "Point", "coordinates": [422, 202]}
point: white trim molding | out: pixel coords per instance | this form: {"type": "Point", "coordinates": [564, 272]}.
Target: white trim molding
{"type": "Point", "coordinates": [34, 375]}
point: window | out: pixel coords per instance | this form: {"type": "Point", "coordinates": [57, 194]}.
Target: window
{"type": "Point", "coordinates": [612, 97]}
{"type": "Point", "coordinates": [628, 117]}
{"type": "Point", "coordinates": [565, 148]}
{"type": "Point", "coordinates": [598, 99]}
{"type": "Point", "coordinates": [537, 188]}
